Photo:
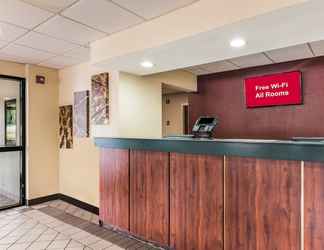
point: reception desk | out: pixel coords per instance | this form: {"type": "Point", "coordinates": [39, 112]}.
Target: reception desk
{"type": "Point", "coordinates": [190, 194]}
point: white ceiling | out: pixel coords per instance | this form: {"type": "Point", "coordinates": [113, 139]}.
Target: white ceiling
{"type": "Point", "coordinates": [105, 16]}
{"type": "Point", "coordinates": [302, 51]}
{"type": "Point", "coordinates": [297, 27]}
{"type": "Point", "coordinates": [251, 60]}
{"type": "Point", "coordinates": [291, 53]}
{"type": "Point", "coordinates": [57, 33]}
{"type": "Point", "coordinates": [150, 9]}
{"type": "Point", "coordinates": [51, 5]}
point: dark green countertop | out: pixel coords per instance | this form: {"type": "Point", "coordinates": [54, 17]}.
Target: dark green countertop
{"type": "Point", "coordinates": [268, 149]}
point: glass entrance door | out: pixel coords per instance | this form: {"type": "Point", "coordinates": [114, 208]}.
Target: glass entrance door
{"type": "Point", "coordinates": [12, 141]}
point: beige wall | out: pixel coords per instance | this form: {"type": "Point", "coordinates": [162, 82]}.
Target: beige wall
{"type": "Point", "coordinates": [42, 132]}
{"type": "Point", "coordinates": [178, 79]}
{"type": "Point", "coordinates": [12, 69]}
{"type": "Point", "coordinates": [79, 166]}
{"type": "Point", "coordinates": [135, 111]}
{"type": "Point", "coordinates": [140, 106]}
{"type": "Point", "coordinates": [173, 112]}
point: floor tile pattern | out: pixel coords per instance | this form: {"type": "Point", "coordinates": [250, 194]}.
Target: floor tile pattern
{"type": "Point", "coordinates": [59, 225]}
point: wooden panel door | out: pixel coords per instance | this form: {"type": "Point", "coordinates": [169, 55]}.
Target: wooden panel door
{"type": "Point", "coordinates": [114, 187]}
{"type": "Point", "coordinates": [314, 206]}
{"type": "Point", "coordinates": [149, 182]}
{"type": "Point", "coordinates": [196, 214]}
{"type": "Point", "coordinates": [262, 201]}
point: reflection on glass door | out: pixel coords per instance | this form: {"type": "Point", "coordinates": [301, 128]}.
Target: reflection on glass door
{"type": "Point", "coordinates": [12, 141]}
{"type": "Point", "coordinates": [10, 122]}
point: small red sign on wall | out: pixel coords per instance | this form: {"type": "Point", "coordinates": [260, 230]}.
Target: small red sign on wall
{"type": "Point", "coordinates": [274, 90]}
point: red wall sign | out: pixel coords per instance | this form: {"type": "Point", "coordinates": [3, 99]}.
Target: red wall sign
{"type": "Point", "coordinates": [274, 90]}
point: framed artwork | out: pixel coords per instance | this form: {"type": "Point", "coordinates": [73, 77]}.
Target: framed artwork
{"type": "Point", "coordinates": [100, 99]}
{"type": "Point", "coordinates": [11, 122]}
{"type": "Point", "coordinates": [66, 126]}
{"type": "Point", "coordinates": [81, 114]}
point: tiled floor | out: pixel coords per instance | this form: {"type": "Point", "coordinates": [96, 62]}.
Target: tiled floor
{"type": "Point", "coordinates": [59, 225]}
{"type": "Point", "coordinates": [5, 201]}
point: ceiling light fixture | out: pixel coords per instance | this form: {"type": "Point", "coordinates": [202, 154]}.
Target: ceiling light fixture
{"type": "Point", "coordinates": [238, 43]}
{"type": "Point", "coordinates": [147, 64]}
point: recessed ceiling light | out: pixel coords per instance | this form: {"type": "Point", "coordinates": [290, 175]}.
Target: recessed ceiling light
{"type": "Point", "coordinates": [238, 42]}
{"type": "Point", "coordinates": [147, 64]}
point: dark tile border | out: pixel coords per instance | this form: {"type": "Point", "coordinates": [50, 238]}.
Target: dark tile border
{"type": "Point", "coordinates": [80, 204]}
{"type": "Point", "coordinates": [118, 238]}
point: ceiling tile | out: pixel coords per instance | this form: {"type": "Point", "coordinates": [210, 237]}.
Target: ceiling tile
{"type": "Point", "coordinates": [68, 30]}
{"type": "Point", "coordinates": [197, 70]}
{"type": "Point", "coordinates": [60, 62]}
{"type": "Point", "coordinates": [251, 60]}
{"type": "Point", "coordinates": [318, 48]}
{"type": "Point", "coordinates": [28, 55]}
{"type": "Point", "coordinates": [11, 58]}
{"type": "Point", "coordinates": [149, 9]}
{"type": "Point", "coordinates": [219, 67]}
{"type": "Point", "coordinates": [80, 53]}
{"type": "Point", "coordinates": [102, 15]}
{"type": "Point", "coordinates": [290, 54]}
{"type": "Point", "coordinates": [51, 5]}
{"type": "Point", "coordinates": [10, 32]}
{"type": "Point", "coordinates": [3, 43]}
{"type": "Point", "coordinates": [42, 42]}
{"type": "Point", "coordinates": [22, 14]}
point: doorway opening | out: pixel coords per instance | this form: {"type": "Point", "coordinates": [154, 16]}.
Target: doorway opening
{"type": "Point", "coordinates": [12, 142]}
{"type": "Point", "coordinates": [185, 119]}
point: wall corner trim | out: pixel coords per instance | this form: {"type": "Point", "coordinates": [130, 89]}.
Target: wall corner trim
{"type": "Point", "coordinates": [80, 204]}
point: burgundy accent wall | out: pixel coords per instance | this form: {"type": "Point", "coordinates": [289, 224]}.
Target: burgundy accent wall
{"type": "Point", "coordinates": [222, 95]}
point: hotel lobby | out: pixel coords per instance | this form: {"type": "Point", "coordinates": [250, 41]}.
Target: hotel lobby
{"type": "Point", "coordinates": [162, 124]}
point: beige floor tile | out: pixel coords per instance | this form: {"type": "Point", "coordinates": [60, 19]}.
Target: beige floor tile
{"type": "Point", "coordinates": [28, 238]}
{"type": "Point", "coordinates": [20, 246]}
{"type": "Point", "coordinates": [58, 244]}
{"type": "Point", "coordinates": [40, 245]}
{"type": "Point", "coordinates": [75, 244]}
{"type": "Point", "coordinates": [2, 247]}
{"type": "Point", "coordinates": [61, 236]}
{"type": "Point", "coordinates": [47, 237]}
{"type": "Point", "coordinates": [9, 240]}
{"type": "Point", "coordinates": [37, 229]}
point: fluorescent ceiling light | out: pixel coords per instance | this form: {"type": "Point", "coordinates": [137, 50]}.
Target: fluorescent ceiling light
{"type": "Point", "coordinates": [147, 64]}
{"type": "Point", "coordinates": [238, 43]}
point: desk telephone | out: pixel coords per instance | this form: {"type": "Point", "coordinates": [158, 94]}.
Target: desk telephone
{"type": "Point", "coordinates": [204, 127]}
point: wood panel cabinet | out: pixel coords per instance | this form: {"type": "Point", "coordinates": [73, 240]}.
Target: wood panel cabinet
{"type": "Point", "coordinates": [314, 206]}
{"type": "Point", "coordinates": [263, 201]}
{"type": "Point", "coordinates": [196, 221]}
{"type": "Point", "coordinates": [149, 207]}
{"type": "Point", "coordinates": [114, 187]}
{"type": "Point", "coordinates": [201, 202]}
